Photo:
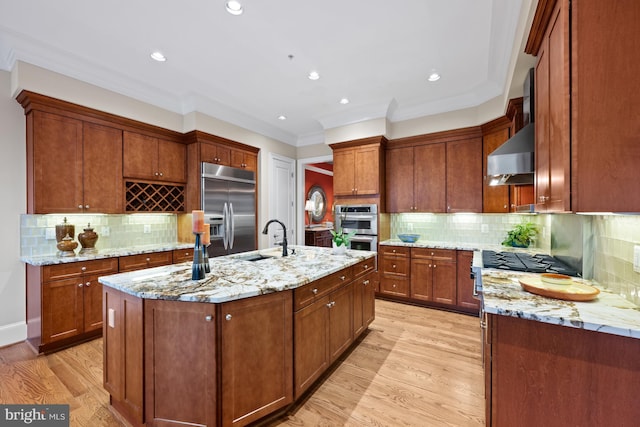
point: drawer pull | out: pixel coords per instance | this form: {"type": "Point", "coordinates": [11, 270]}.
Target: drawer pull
{"type": "Point", "coordinates": [228, 317]}
{"type": "Point", "coordinates": [80, 285]}
{"type": "Point", "coordinates": [314, 291]}
{"type": "Point", "coordinates": [394, 266]}
{"type": "Point", "coordinates": [331, 304]}
{"type": "Point", "coordinates": [148, 259]}
{"type": "Point", "coordinates": [366, 266]}
{"type": "Point", "coordinates": [342, 277]}
{"type": "Point", "coordinates": [208, 318]}
{"type": "Point", "coordinates": [366, 282]}
{"type": "Point", "coordinates": [87, 284]}
{"type": "Point", "coordinates": [84, 269]}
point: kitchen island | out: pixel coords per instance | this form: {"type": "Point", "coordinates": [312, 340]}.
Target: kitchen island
{"type": "Point", "coordinates": [556, 363]}
{"type": "Point", "coordinates": [241, 344]}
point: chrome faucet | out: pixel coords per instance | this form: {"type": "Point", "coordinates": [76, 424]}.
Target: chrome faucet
{"type": "Point", "coordinates": [284, 230]}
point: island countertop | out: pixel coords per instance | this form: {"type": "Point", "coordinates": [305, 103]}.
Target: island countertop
{"type": "Point", "coordinates": [608, 313]}
{"type": "Point", "coordinates": [233, 277]}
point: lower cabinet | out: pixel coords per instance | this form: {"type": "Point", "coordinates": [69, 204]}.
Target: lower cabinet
{"type": "Point", "coordinates": [433, 277]}
{"type": "Point", "coordinates": [148, 260]}
{"type": "Point", "coordinates": [255, 357]}
{"type": "Point", "coordinates": [541, 374]}
{"type": "Point", "coordinates": [317, 237]}
{"type": "Point", "coordinates": [363, 302]}
{"type": "Point", "coordinates": [64, 302]}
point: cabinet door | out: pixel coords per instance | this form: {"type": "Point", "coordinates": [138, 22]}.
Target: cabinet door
{"type": "Point", "coordinates": [56, 165]}
{"type": "Point", "coordinates": [369, 298]}
{"type": "Point", "coordinates": [367, 171]}
{"type": "Point", "coordinates": [256, 357]}
{"type": "Point", "coordinates": [311, 352]}
{"type": "Point", "coordinates": [62, 306]}
{"type": "Point", "coordinates": [214, 153]}
{"type": "Point", "coordinates": [92, 303]}
{"type": "Point", "coordinates": [444, 282]}
{"type": "Point", "coordinates": [399, 180]}
{"type": "Point", "coordinates": [140, 156]}
{"type": "Point", "coordinates": [340, 320]}
{"type": "Point", "coordinates": [430, 178]}
{"type": "Point", "coordinates": [244, 160]}
{"type": "Point", "coordinates": [358, 307]}
{"type": "Point", "coordinates": [465, 288]}
{"type": "Point", "coordinates": [542, 128]}
{"type": "Point", "coordinates": [421, 279]}
{"type": "Point", "coordinates": [343, 172]}
{"type": "Point", "coordinates": [464, 175]}
{"type": "Point", "coordinates": [180, 363]}
{"type": "Point", "coordinates": [102, 169]}
{"type": "Point", "coordinates": [172, 161]}
{"type": "Point", "coordinates": [495, 198]}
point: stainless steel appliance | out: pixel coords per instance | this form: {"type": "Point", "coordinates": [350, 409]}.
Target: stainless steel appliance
{"type": "Point", "coordinates": [361, 219]}
{"type": "Point", "coordinates": [229, 204]}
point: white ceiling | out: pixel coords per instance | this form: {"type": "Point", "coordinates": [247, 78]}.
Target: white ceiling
{"type": "Point", "coordinates": [377, 53]}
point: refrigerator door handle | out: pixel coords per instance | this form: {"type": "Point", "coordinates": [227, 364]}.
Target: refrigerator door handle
{"type": "Point", "coordinates": [225, 226]}
{"type": "Point", "coordinates": [232, 225]}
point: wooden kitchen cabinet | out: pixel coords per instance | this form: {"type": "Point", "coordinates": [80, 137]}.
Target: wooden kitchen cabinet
{"type": "Point", "coordinates": [540, 374]}
{"type": "Point", "coordinates": [495, 198]}
{"type": "Point", "coordinates": [363, 296]}
{"type": "Point", "coordinates": [182, 255]}
{"type": "Point", "coordinates": [152, 158]}
{"type": "Point", "coordinates": [433, 275]}
{"type": "Point", "coordinates": [396, 270]}
{"type": "Point", "coordinates": [215, 153]}
{"type": "Point", "coordinates": [466, 298]}
{"type": "Point", "coordinates": [323, 326]}
{"type": "Point", "coordinates": [579, 105]}
{"type": "Point", "coordinates": [256, 358]}
{"type": "Point", "coordinates": [358, 167]}
{"type": "Point", "coordinates": [64, 302]}
{"type": "Point", "coordinates": [72, 166]}
{"type": "Point", "coordinates": [244, 160]}
{"type": "Point", "coordinates": [148, 260]}
{"type": "Point", "coordinates": [123, 342]}
{"type": "Point", "coordinates": [318, 237]}
{"type": "Point", "coordinates": [180, 363]}
{"type": "Point", "coordinates": [440, 172]}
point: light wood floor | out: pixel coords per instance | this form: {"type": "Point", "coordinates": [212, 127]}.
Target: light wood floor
{"type": "Point", "coordinates": [415, 367]}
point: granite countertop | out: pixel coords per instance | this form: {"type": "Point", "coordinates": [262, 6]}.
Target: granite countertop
{"type": "Point", "coordinates": [103, 253]}
{"type": "Point", "coordinates": [233, 278]}
{"type": "Point", "coordinates": [608, 313]}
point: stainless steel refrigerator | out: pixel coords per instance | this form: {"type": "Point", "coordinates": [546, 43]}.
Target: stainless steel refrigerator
{"type": "Point", "coordinates": [229, 204]}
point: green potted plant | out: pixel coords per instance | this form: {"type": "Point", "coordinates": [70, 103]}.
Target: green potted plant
{"type": "Point", "coordinates": [341, 240]}
{"type": "Point", "coordinates": [521, 236]}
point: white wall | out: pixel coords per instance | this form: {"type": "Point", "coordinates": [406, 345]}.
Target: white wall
{"type": "Point", "coordinates": [13, 194]}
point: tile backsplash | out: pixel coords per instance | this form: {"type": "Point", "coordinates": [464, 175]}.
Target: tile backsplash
{"type": "Point", "coordinates": [114, 231]}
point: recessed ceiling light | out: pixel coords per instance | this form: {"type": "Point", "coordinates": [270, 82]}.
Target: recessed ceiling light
{"type": "Point", "coordinates": [344, 101]}
{"type": "Point", "coordinates": [282, 117]}
{"type": "Point", "coordinates": [234, 7]}
{"type": "Point", "coordinates": [158, 56]}
{"type": "Point", "coordinates": [434, 76]}
{"type": "Point", "coordinates": [314, 75]}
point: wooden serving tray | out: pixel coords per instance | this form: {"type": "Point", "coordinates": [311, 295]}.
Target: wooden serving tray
{"type": "Point", "coordinates": [570, 292]}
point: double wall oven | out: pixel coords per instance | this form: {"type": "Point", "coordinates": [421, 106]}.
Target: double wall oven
{"type": "Point", "coordinates": [361, 219]}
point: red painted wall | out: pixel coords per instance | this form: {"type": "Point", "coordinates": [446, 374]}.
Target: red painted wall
{"type": "Point", "coordinates": [312, 178]}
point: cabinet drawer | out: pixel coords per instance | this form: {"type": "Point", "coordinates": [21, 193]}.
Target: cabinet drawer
{"type": "Point", "coordinates": [395, 250]}
{"type": "Point", "coordinates": [305, 295]}
{"type": "Point", "coordinates": [396, 286]}
{"type": "Point", "coordinates": [364, 267]}
{"type": "Point", "coordinates": [440, 254]}
{"type": "Point", "coordinates": [75, 269]}
{"type": "Point", "coordinates": [140, 261]}
{"type": "Point", "coordinates": [395, 265]}
{"type": "Point", "coordinates": [182, 255]}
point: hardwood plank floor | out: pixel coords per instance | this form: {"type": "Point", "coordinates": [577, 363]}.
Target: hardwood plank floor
{"type": "Point", "coordinates": [414, 367]}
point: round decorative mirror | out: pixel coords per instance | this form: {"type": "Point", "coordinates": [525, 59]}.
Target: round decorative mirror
{"type": "Point", "coordinates": [319, 198]}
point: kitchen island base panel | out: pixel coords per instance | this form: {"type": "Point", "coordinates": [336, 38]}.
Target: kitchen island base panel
{"type": "Point", "coordinates": [544, 374]}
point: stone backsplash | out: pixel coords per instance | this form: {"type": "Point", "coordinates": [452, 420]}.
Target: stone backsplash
{"type": "Point", "coordinates": [37, 232]}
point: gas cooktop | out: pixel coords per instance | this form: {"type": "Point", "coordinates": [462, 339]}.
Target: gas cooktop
{"type": "Point", "coordinates": [538, 263]}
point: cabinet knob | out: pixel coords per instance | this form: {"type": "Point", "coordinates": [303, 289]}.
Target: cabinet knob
{"type": "Point", "coordinates": [394, 285]}
{"type": "Point", "coordinates": [84, 269]}
{"type": "Point", "coordinates": [431, 253]}
{"type": "Point", "coordinates": [148, 259]}
{"type": "Point", "coordinates": [504, 207]}
{"type": "Point", "coordinates": [208, 318]}
{"type": "Point", "coordinates": [434, 266]}
{"type": "Point", "coordinates": [331, 304]}
{"type": "Point", "coordinates": [394, 251]}
{"type": "Point", "coordinates": [366, 282]}
{"type": "Point", "coordinates": [87, 284]}
{"type": "Point", "coordinates": [342, 278]}
{"type": "Point", "coordinates": [187, 254]}
{"type": "Point", "coordinates": [228, 317]}
{"type": "Point", "coordinates": [86, 206]}
{"type": "Point", "coordinates": [314, 291]}
{"type": "Point", "coordinates": [79, 206]}
{"type": "Point", "coordinates": [393, 266]}
{"type": "Point", "coordinates": [156, 174]}
{"type": "Point", "coordinates": [80, 285]}
{"type": "Point", "coordinates": [161, 174]}
{"type": "Point", "coordinates": [365, 266]}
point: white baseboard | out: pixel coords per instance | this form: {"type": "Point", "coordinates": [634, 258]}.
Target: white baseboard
{"type": "Point", "coordinates": [13, 333]}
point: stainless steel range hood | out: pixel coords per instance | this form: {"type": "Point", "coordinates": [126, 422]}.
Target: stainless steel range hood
{"type": "Point", "coordinates": [513, 162]}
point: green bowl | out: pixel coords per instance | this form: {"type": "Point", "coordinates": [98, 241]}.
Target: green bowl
{"type": "Point", "coordinates": [408, 238]}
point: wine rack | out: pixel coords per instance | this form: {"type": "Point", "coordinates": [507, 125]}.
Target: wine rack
{"type": "Point", "coordinates": [153, 197]}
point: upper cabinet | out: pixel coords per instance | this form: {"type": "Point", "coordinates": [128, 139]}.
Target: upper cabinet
{"type": "Point", "coordinates": [73, 166]}
{"type": "Point", "coordinates": [440, 172]}
{"type": "Point", "coordinates": [358, 167]}
{"type": "Point", "coordinates": [148, 157]}
{"type": "Point", "coordinates": [586, 105]}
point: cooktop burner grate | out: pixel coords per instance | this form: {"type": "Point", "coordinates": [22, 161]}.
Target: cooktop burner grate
{"type": "Point", "coordinates": [538, 263]}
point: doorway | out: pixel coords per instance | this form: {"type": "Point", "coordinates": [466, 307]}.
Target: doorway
{"type": "Point", "coordinates": [281, 189]}
{"type": "Point", "coordinates": [303, 165]}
